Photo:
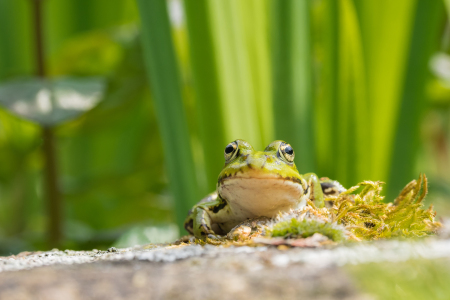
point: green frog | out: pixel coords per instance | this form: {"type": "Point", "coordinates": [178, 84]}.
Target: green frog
{"type": "Point", "coordinates": [256, 184]}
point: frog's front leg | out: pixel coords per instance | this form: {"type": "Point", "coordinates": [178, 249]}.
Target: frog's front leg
{"type": "Point", "coordinates": [316, 189]}
{"type": "Point", "coordinates": [202, 223]}
{"type": "Point", "coordinates": [203, 216]}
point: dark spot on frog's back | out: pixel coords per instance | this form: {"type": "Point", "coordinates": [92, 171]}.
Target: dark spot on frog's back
{"type": "Point", "coordinates": [189, 226]}
{"type": "Point", "coordinates": [215, 209]}
{"type": "Point", "coordinates": [294, 179]}
{"type": "Point", "coordinates": [223, 177]}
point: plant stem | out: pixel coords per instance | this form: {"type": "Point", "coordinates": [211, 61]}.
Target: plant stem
{"type": "Point", "coordinates": [54, 203]}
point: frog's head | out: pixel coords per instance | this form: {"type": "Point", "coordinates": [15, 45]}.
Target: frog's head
{"type": "Point", "coordinates": [268, 179]}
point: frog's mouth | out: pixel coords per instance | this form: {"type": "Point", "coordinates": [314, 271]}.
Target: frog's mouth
{"type": "Point", "coordinates": [262, 195]}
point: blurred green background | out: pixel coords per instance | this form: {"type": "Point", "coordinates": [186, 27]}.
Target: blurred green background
{"type": "Point", "coordinates": [359, 88]}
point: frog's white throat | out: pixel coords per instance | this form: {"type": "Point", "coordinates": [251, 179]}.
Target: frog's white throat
{"type": "Point", "coordinates": [257, 197]}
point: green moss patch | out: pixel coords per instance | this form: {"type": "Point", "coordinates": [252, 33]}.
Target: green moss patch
{"type": "Point", "coordinates": [307, 227]}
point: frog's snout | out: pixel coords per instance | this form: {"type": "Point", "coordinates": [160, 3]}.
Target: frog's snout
{"type": "Point", "coordinates": [257, 161]}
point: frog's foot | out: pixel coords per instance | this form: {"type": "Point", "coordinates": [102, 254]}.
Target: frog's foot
{"type": "Point", "coordinates": [187, 239]}
{"type": "Point", "coordinates": [331, 188]}
{"type": "Point", "coordinates": [215, 239]}
{"type": "Point", "coordinates": [189, 224]}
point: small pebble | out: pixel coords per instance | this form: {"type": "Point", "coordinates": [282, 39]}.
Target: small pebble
{"type": "Point", "coordinates": [283, 247]}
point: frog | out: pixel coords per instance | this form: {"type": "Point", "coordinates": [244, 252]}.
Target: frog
{"type": "Point", "coordinates": [254, 184]}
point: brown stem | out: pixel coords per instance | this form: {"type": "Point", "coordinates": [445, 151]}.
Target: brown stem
{"type": "Point", "coordinates": [54, 203]}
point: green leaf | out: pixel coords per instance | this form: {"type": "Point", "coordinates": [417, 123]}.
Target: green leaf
{"type": "Point", "coordinates": [426, 29]}
{"type": "Point", "coordinates": [165, 85]}
{"type": "Point", "coordinates": [385, 33]}
{"type": "Point", "coordinates": [325, 30]}
{"type": "Point", "coordinates": [206, 87]}
{"type": "Point", "coordinates": [353, 115]}
{"type": "Point", "coordinates": [292, 79]}
{"type": "Point", "coordinates": [16, 44]}
{"type": "Point", "coordinates": [51, 102]}
{"type": "Point", "coordinates": [235, 70]}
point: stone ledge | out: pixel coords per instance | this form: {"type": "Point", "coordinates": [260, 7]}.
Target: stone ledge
{"type": "Point", "coordinates": [202, 272]}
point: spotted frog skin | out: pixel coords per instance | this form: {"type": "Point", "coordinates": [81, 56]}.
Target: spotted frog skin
{"type": "Point", "coordinates": [256, 184]}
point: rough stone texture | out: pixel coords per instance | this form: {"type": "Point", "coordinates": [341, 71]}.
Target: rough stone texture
{"type": "Point", "coordinates": [320, 257]}
{"type": "Point", "coordinates": [240, 276]}
{"type": "Point", "coordinates": [196, 272]}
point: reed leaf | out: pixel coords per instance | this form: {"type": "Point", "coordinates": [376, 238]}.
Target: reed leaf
{"type": "Point", "coordinates": [425, 33]}
{"type": "Point", "coordinates": [206, 88]}
{"type": "Point", "coordinates": [255, 18]}
{"type": "Point", "coordinates": [386, 30]}
{"type": "Point", "coordinates": [238, 102]}
{"type": "Point", "coordinates": [164, 81]}
{"type": "Point", "coordinates": [325, 19]}
{"type": "Point", "coordinates": [292, 79]}
{"type": "Point", "coordinates": [353, 119]}
{"type": "Point", "coordinates": [16, 44]}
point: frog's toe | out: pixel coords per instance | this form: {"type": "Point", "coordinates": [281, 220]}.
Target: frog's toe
{"type": "Point", "coordinates": [214, 236]}
{"type": "Point", "coordinates": [214, 239]}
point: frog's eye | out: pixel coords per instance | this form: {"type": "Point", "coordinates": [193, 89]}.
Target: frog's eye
{"type": "Point", "coordinates": [231, 151]}
{"type": "Point", "coordinates": [286, 152]}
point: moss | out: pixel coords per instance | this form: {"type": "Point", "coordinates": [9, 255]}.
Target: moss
{"type": "Point", "coordinates": [306, 228]}
{"type": "Point", "coordinates": [365, 215]}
